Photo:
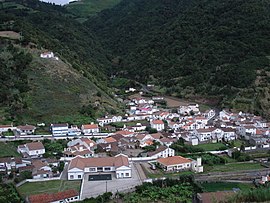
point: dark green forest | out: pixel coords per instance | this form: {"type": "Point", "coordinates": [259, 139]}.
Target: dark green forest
{"type": "Point", "coordinates": [30, 88]}
{"type": "Point", "coordinates": [197, 47]}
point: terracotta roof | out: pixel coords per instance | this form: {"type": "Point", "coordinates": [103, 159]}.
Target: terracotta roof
{"type": "Point", "coordinates": [117, 137]}
{"type": "Point", "coordinates": [157, 122]}
{"type": "Point", "coordinates": [88, 140]}
{"type": "Point", "coordinates": [109, 139]}
{"type": "Point", "coordinates": [206, 130]}
{"type": "Point", "coordinates": [173, 160]}
{"type": "Point", "coordinates": [26, 127]}
{"type": "Point", "coordinates": [6, 126]}
{"type": "Point", "coordinates": [38, 164]}
{"type": "Point", "coordinates": [90, 126]}
{"type": "Point", "coordinates": [81, 163]}
{"type": "Point", "coordinates": [228, 129]}
{"type": "Point", "coordinates": [47, 198]}
{"type": "Point", "coordinates": [35, 145]}
{"type": "Point", "coordinates": [214, 197]}
{"type": "Point", "coordinates": [156, 135]}
{"type": "Point", "coordinates": [124, 132]}
{"type": "Point", "coordinates": [149, 142]}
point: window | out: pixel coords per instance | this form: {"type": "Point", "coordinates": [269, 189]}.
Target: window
{"type": "Point", "coordinates": [99, 169]}
{"type": "Point", "coordinates": [92, 169]}
{"type": "Point", "coordinates": [79, 176]}
{"type": "Point", "coordinates": [107, 168]}
{"type": "Point", "coordinates": [75, 197]}
{"type": "Point", "coordinates": [71, 176]}
{"type": "Point", "coordinates": [127, 174]}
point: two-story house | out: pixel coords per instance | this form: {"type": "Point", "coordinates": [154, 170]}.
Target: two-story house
{"type": "Point", "coordinates": [59, 129]}
{"type": "Point", "coordinates": [157, 124]}
{"type": "Point", "coordinates": [32, 149]}
{"type": "Point", "coordinates": [161, 151]}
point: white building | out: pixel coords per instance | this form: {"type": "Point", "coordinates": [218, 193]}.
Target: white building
{"type": "Point", "coordinates": [59, 129]}
{"type": "Point", "coordinates": [32, 149]}
{"type": "Point", "coordinates": [119, 165]}
{"type": "Point", "coordinates": [6, 128]}
{"type": "Point", "coordinates": [158, 125]}
{"type": "Point", "coordinates": [25, 129]}
{"type": "Point", "coordinates": [90, 128]}
{"type": "Point", "coordinates": [108, 120]}
{"type": "Point", "coordinates": [162, 151]}
{"type": "Point", "coordinates": [179, 163]}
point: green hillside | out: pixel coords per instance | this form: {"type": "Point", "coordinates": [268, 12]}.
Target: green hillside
{"type": "Point", "coordinates": [87, 8]}
{"type": "Point", "coordinates": [202, 49]}
{"type": "Point", "coordinates": [72, 89]}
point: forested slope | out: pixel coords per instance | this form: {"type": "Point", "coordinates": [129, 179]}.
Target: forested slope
{"type": "Point", "coordinates": [193, 47]}
{"type": "Point", "coordinates": [36, 89]}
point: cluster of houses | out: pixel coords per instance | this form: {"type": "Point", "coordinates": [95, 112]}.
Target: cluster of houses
{"type": "Point", "coordinates": [31, 160]}
{"type": "Point", "coordinates": [61, 129]}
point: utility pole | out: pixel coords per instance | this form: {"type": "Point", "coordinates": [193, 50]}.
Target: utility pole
{"type": "Point", "coordinates": [106, 187]}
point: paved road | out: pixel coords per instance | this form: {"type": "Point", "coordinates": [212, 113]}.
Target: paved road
{"type": "Point", "coordinates": [247, 175]}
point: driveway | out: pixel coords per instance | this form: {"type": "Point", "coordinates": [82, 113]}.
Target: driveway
{"type": "Point", "coordinates": [95, 188]}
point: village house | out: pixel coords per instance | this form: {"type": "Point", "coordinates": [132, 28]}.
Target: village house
{"type": "Point", "coordinates": [32, 149]}
{"type": "Point", "coordinates": [108, 120]}
{"type": "Point", "coordinates": [83, 146]}
{"type": "Point", "coordinates": [161, 151]}
{"type": "Point", "coordinates": [7, 164]}
{"type": "Point", "coordinates": [90, 129]}
{"type": "Point", "coordinates": [48, 55]}
{"type": "Point", "coordinates": [157, 124]}
{"type": "Point", "coordinates": [179, 163]}
{"type": "Point", "coordinates": [59, 129]}
{"type": "Point", "coordinates": [74, 131]}
{"type": "Point", "coordinates": [59, 197]}
{"type": "Point", "coordinates": [119, 165]}
{"type": "Point", "coordinates": [41, 169]}
{"type": "Point", "coordinates": [167, 141]}
{"type": "Point", "coordinates": [25, 129]}
{"type": "Point", "coordinates": [209, 114]}
{"type": "Point", "coordinates": [189, 109]}
{"type": "Point", "coordinates": [6, 128]}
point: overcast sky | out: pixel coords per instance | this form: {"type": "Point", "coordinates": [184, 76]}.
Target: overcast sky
{"type": "Point", "coordinates": [58, 2]}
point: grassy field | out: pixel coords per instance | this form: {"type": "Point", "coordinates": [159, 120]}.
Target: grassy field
{"type": "Point", "coordinates": [86, 8]}
{"type": "Point", "coordinates": [48, 187]}
{"type": "Point", "coordinates": [8, 149]}
{"type": "Point", "coordinates": [58, 92]}
{"type": "Point", "coordinates": [222, 186]}
{"type": "Point", "coordinates": [160, 174]}
{"type": "Point", "coordinates": [210, 146]}
{"type": "Point", "coordinates": [233, 167]}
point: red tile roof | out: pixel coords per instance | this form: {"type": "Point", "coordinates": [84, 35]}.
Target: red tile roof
{"type": "Point", "coordinates": [35, 145]}
{"type": "Point", "coordinates": [157, 122]}
{"type": "Point", "coordinates": [90, 126]}
{"type": "Point", "coordinates": [81, 163]}
{"type": "Point", "coordinates": [173, 160]}
{"type": "Point", "coordinates": [47, 198]}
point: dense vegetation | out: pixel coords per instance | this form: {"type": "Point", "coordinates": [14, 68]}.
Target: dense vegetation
{"type": "Point", "coordinates": [168, 190]}
{"type": "Point", "coordinates": [50, 90]}
{"type": "Point", "coordinates": [204, 48]}
{"type": "Point", "coordinates": [9, 194]}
